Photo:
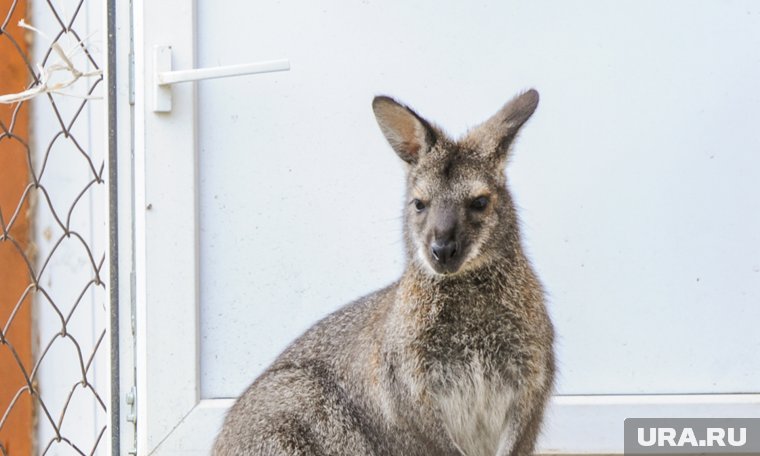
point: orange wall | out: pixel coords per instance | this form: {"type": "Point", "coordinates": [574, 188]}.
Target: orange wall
{"type": "Point", "coordinates": [16, 432]}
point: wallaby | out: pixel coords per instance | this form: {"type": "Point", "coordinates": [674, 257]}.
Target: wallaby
{"type": "Point", "coordinates": [456, 357]}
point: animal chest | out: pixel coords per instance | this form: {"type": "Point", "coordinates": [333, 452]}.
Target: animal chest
{"type": "Point", "coordinates": [475, 364]}
{"type": "Point", "coordinates": [476, 410]}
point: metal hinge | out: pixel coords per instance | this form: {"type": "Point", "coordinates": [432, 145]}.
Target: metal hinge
{"type": "Point", "coordinates": [131, 400]}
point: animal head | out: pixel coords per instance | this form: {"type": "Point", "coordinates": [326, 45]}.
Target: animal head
{"type": "Point", "coordinates": [459, 214]}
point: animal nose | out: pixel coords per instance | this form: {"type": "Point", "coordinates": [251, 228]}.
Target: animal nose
{"type": "Point", "coordinates": [444, 251]}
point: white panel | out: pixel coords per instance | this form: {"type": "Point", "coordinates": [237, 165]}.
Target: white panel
{"type": "Point", "coordinates": [594, 424]}
{"type": "Point", "coordinates": [636, 179]}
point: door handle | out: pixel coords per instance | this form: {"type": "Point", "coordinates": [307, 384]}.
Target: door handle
{"type": "Point", "coordinates": [164, 76]}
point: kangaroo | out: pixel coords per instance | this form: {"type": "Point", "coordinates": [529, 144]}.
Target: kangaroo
{"type": "Point", "coordinates": [456, 357]}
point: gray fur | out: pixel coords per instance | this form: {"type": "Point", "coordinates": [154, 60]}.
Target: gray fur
{"type": "Point", "coordinates": [452, 359]}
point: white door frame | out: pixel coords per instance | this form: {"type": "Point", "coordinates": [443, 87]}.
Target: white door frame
{"type": "Point", "coordinates": [166, 232]}
{"type": "Point", "coordinates": [171, 417]}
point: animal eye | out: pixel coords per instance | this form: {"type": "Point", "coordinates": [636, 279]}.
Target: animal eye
{"type": "Point", "coordinates": [419, 205]}
{"type": "Point", "coordinates": [479, 203]}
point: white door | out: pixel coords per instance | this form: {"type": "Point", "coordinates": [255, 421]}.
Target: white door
{"type": "Point", "coordinates": [264, 202]}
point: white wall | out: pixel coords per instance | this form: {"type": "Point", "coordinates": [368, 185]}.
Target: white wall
{"type": "Point", "coordinates": [65, 176]}
{"type": "Point", "coordinates": [636, 179]}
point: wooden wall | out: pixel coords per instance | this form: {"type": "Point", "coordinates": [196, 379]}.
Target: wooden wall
{"type": "Point", "coordinates": [16, 430]}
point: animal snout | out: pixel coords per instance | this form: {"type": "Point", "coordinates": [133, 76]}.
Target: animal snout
{"type": "Point", "coordinates": [444, 251]}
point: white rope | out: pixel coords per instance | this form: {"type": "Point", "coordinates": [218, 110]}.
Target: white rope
{"type": "Point", "coordinates": [65, 65]}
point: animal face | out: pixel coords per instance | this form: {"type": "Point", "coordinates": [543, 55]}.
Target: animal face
{"type": "Point", "coordinates": [453, 208]}
{"type": "Point", "coordinates": [458, 209]}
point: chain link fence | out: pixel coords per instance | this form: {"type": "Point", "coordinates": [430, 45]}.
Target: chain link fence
{"type": "Point", "coordinates": [53, 301]}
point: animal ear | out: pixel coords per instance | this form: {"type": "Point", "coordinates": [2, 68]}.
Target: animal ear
{"type": "Point", "coordinates": [494, 136]}
{"type": "Point", "coordinates": [408, 134]}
